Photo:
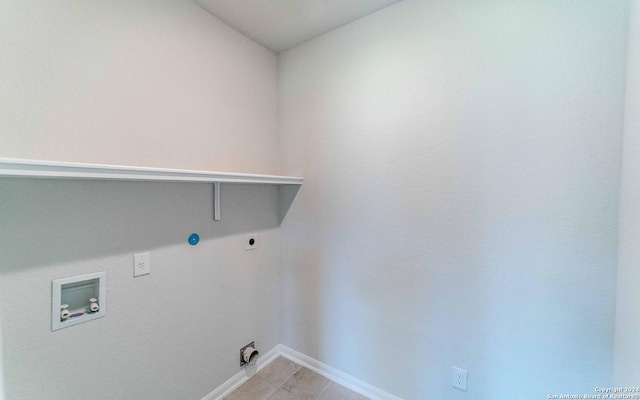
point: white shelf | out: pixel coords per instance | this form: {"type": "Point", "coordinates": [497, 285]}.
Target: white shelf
{"type": "Point", "coordinates": [52, 169]}
{"type": "Point", "coordinates": [22, 168]}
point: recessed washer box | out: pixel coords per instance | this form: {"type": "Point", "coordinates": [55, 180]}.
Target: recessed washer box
{"type": "Point", "coordinates": [78, 297]}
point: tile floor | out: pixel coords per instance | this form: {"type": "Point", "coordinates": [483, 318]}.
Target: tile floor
{"type": "Point", "coordinates": [285, 380]}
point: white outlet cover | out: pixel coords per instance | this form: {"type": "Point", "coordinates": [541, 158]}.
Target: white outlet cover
{"type": "Point", "coordinates": [141, 264]}
{"type": "Point", "coordinates": [248, 244]}
{"type": "Point", "coordinates": [459, 379]}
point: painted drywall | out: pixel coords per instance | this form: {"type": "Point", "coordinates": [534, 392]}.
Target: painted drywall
{"type": "Point", "coordinates": [146, 83]}
{"type": "Point", "coordinates": [627, 347]}
{"type": "Point", "coordinates": [460, 205]}
{"type": "Point", "coordinates": [153, 83]}
{"type": "Point", "coordinates": [173, 334]}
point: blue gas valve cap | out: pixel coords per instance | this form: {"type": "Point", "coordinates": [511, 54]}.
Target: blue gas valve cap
{"type": "Point", "coordinates": [194, 239]}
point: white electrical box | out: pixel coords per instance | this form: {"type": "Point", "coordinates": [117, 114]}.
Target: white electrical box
{"type": "Point", "coordinates": [78, 299]}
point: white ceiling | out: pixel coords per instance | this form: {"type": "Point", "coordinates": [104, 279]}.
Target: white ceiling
{"type": "Point", "coordinates": [281, 24]}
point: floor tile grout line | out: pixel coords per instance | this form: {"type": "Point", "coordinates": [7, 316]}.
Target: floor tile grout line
{"type": "Point", "coordinates": [323, 390]}
{"type": "Point", "coordinates": [291, 376]}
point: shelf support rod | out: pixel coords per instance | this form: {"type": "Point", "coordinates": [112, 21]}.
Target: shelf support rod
{"type": "Point", "coordinates": [216, 201]}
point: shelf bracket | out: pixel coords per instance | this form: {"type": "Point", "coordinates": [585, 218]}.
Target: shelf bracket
{"type": "Point", "coordinates": [216, 201]}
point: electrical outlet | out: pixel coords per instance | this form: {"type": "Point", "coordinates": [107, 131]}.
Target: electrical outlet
{"type": "Point", "coordinates": [459, 379]}
{"type": "Point", "coordinates": [141, 264]}
{"type": "Point", "coordinates": [251, 241]}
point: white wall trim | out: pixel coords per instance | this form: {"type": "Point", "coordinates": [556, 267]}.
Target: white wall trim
{"type": "Point", "coordinates": [325, 370]}
{"type": "Point", "coordinates": [243, 375]}
{"type": "Point", "coordinates": [15, 167]}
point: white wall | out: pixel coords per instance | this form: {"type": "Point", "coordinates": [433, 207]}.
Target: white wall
{"type": "Point", "coordinates": [461, 164]}
{"type": "Point", "coordinates": [151, 83]}
{"type": "Point", "coordinates": [157, 83]}
{"type": "Point", "coordinates": [174, 334]}
{"type": "Point", "coordinates": [627, 346]}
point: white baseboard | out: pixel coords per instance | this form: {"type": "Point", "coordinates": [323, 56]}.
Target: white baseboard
{"type": "Point", "coordinates": [336, 375]}
{"type": "Point", "coordinates": [325, 370]}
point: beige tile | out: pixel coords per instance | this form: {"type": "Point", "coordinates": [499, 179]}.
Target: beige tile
{"type": "Point", "coordinates": [306, 384]}
{"type": "Point", "coordinates": [255, 388]}
{"type": "Point", "coordinates": [278, 371]}
{"type": "Point", "coordinates": [338, 392]}
{"type": "Point", "coordinates": [282, 394]}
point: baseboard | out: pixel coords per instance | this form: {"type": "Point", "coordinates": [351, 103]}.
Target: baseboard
{"type": "Point", "coordinates": [325, 370]}
{"type": "Point", "coordinates": [336, 375]}
{"type": "Point", "coordinates": [241, 377]}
